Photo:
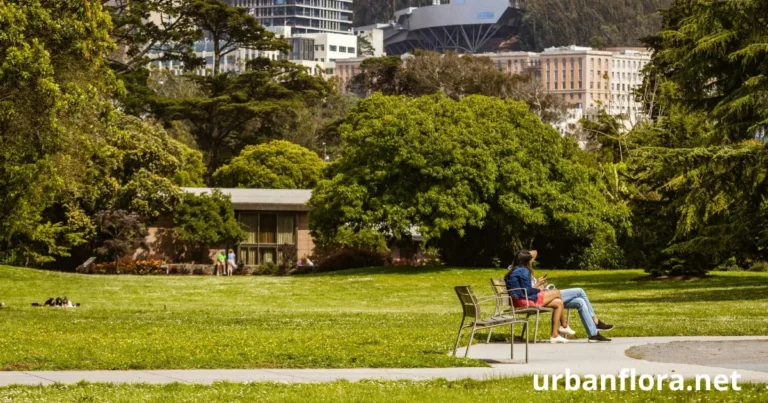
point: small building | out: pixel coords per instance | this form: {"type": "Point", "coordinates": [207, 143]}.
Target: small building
{"type": "Point", "coordinates": [272, 218]}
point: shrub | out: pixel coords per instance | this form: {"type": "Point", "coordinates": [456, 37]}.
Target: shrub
{"type": "Point", "coordinates": [243, 270]}
{"type": "Point", "coordinates": [678, 266]}
{"type": "Point", "coordinates": [137, 267]}
{"type": "Point", "coordinates": [290, 257]}
{"type": "Point", "coordinates": [432, 257]}
{"type": "Point", "coordinates": [348, 258]}
{"type": "Point", "coordinates": [267, 269]}
{"type": "Point", "coordinates": [759, 267]}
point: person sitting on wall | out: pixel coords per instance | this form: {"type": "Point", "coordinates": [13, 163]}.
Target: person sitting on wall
{"type": "Point", "coordinates": [519, 277]}
{"type": "Point", "coordinates": [219, 261]}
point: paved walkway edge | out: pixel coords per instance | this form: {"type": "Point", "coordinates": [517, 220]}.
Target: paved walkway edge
{"type": "Point", "coordinates": [580, 357]}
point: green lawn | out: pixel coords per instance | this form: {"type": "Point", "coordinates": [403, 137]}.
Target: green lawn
{"type": "Point", "coordinates": [499, 390]}
{"type": "Point", "coordinates": [389, 317]}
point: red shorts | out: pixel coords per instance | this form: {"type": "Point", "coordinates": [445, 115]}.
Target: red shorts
{"type": "Point", "coordinates": [523, 302]}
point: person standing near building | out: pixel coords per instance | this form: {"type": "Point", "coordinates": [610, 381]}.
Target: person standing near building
{"type": "Point", "coordinates": [231, 262]}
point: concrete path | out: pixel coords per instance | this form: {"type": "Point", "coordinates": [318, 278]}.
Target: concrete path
{"type": "Point", "coordinates": [579, 356]}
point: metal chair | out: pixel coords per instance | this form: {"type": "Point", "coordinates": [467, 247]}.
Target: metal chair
{"type": "Point", "coordinates": [471, 310]}
{"type": "Point", "coordinates": [504, 306]}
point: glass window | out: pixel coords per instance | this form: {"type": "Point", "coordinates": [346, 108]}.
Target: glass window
{"type": "Point", "coordinates": [250, 224]}
{"type": "Point", "coordinates": [342, 49]}
{"type": "Point", "coordinates": [268, 255]}
{"type": "Point", "coordinates": [247, 255]}
{"type": "Point", "coordinates": [268, 228]}
{"type": "Point", "coordinates": [350, 50]}
{"type": "Point", "coordinates": [285, 229]}
{"type": "Point", "coordinates": [332, 48]}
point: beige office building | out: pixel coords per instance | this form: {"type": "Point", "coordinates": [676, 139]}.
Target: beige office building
{"type": "Point", "coordinates": [626, 78]}
{"type": "Point", "coordinates": [580, 75]}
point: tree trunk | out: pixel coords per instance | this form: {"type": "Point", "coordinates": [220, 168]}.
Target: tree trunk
{"type": "Point", "coordinates": [216, 55]}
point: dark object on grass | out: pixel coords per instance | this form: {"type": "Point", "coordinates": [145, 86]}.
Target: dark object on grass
{"type": "Point", "coordinates": [59, 301]}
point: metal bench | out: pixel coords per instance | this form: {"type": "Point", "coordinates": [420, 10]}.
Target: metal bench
{"type": "Point", "coordinates": [472, 318]}
{"type": "Point", "coordinates": [504, 307]}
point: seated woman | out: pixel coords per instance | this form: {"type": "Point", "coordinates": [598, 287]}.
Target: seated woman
{"type": "Point", "coordinates": [520, 276]}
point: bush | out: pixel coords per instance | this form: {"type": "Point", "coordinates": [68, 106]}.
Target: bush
{"type": "Point", "coordinates": [242, 270]}
{"type": "Point", "coordinates": [432, 257]}
{"type": "Point", "coordinates": [348, 258]}
{"type": "Point", "coordinates": [690, 266]}
{"type": "Point", "coordinates": [137, 267]}
{"type": "Point", "coordinates": [759, 267]}
{"type": "Point", "coordinates": [268, 269]}
{"type": "Point", "coordinates": [290, 258]}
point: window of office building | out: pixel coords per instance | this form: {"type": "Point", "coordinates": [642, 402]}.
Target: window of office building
{"type": "Point", "coordinates": [332, 48]}
{"type": "Point", "coordinates": [342, 49]}
{"type": "Point", "coordinates": [265, 233]}
{"type": "Point", "coordinates": [350, 49]}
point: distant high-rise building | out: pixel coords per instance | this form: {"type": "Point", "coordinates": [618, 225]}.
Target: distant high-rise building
{"type": "Point", "coordinates": [303, 16]}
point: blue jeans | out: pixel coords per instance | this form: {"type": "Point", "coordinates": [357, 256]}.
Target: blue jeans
{"type": "Point", "coordinates": [576, 298]}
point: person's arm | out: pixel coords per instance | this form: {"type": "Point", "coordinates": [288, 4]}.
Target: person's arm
{"type": "Point", "coordinates": [524, 279]}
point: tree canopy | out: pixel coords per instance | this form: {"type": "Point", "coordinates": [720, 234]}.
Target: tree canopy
{"type": "Point", "coordinates": [277, 164]}
{"type": "Point", "coordinates": [49, 57]}
{"type": "Point", "coordinates": [235, 110]}
{"type": "Point", "coordinates": [206, 220]}
{"type": "Point", "coordinates": [453, 168]}
{"type": "Point", "coordinates": [700, 166]}
{"type": "Point", "coordinates": [457, 76]}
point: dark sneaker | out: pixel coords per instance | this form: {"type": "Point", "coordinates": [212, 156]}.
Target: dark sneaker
{"type": "Point", "coordinates": [598, 337]}
{"type": "Point", "coordinates": [603, 326]}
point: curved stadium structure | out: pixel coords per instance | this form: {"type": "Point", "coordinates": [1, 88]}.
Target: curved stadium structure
{"type": "Point", "coordinates": [463, 26]}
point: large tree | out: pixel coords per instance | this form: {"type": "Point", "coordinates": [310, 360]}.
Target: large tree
{"type": "Point", "coordinates": [236, 110]}
{"type": "Point", "coordinates": [206, 220]}
{"type": "Point", "coordinates": [53, 64]}
{"type": "Point", "coordinates": [700, 173]}
{"type": "Point", "coordinates": [715, 54]}
{"type": "Point", "coordinates": [231, 28]}
{"type": "Point", "coordinates": [459, 171]}
{"type": "Point", "coordinates": [277, 164]}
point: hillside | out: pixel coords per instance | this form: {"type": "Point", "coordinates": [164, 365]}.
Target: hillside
{"type": "Point", "coordinates": [547, 23]}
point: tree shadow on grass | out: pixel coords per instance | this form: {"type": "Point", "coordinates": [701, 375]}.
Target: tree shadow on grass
{"type": "Point", "coordinates": [411, 270]}
{"type": "Point", "coordinates": [629, 282]}
{"type": "Point", "coordinates": [752, 293]}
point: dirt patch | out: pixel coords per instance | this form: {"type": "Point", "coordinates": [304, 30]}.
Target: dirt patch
{"type": "Point", "coordinates": [709, 353]}
{"type": "Point", "coordinates": [21, 366]}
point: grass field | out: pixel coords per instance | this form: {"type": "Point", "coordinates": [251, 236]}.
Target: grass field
{"type": "Point", "coordinates": [385, 317]}
{"type": "Point", "coordinates": [499, 390]}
